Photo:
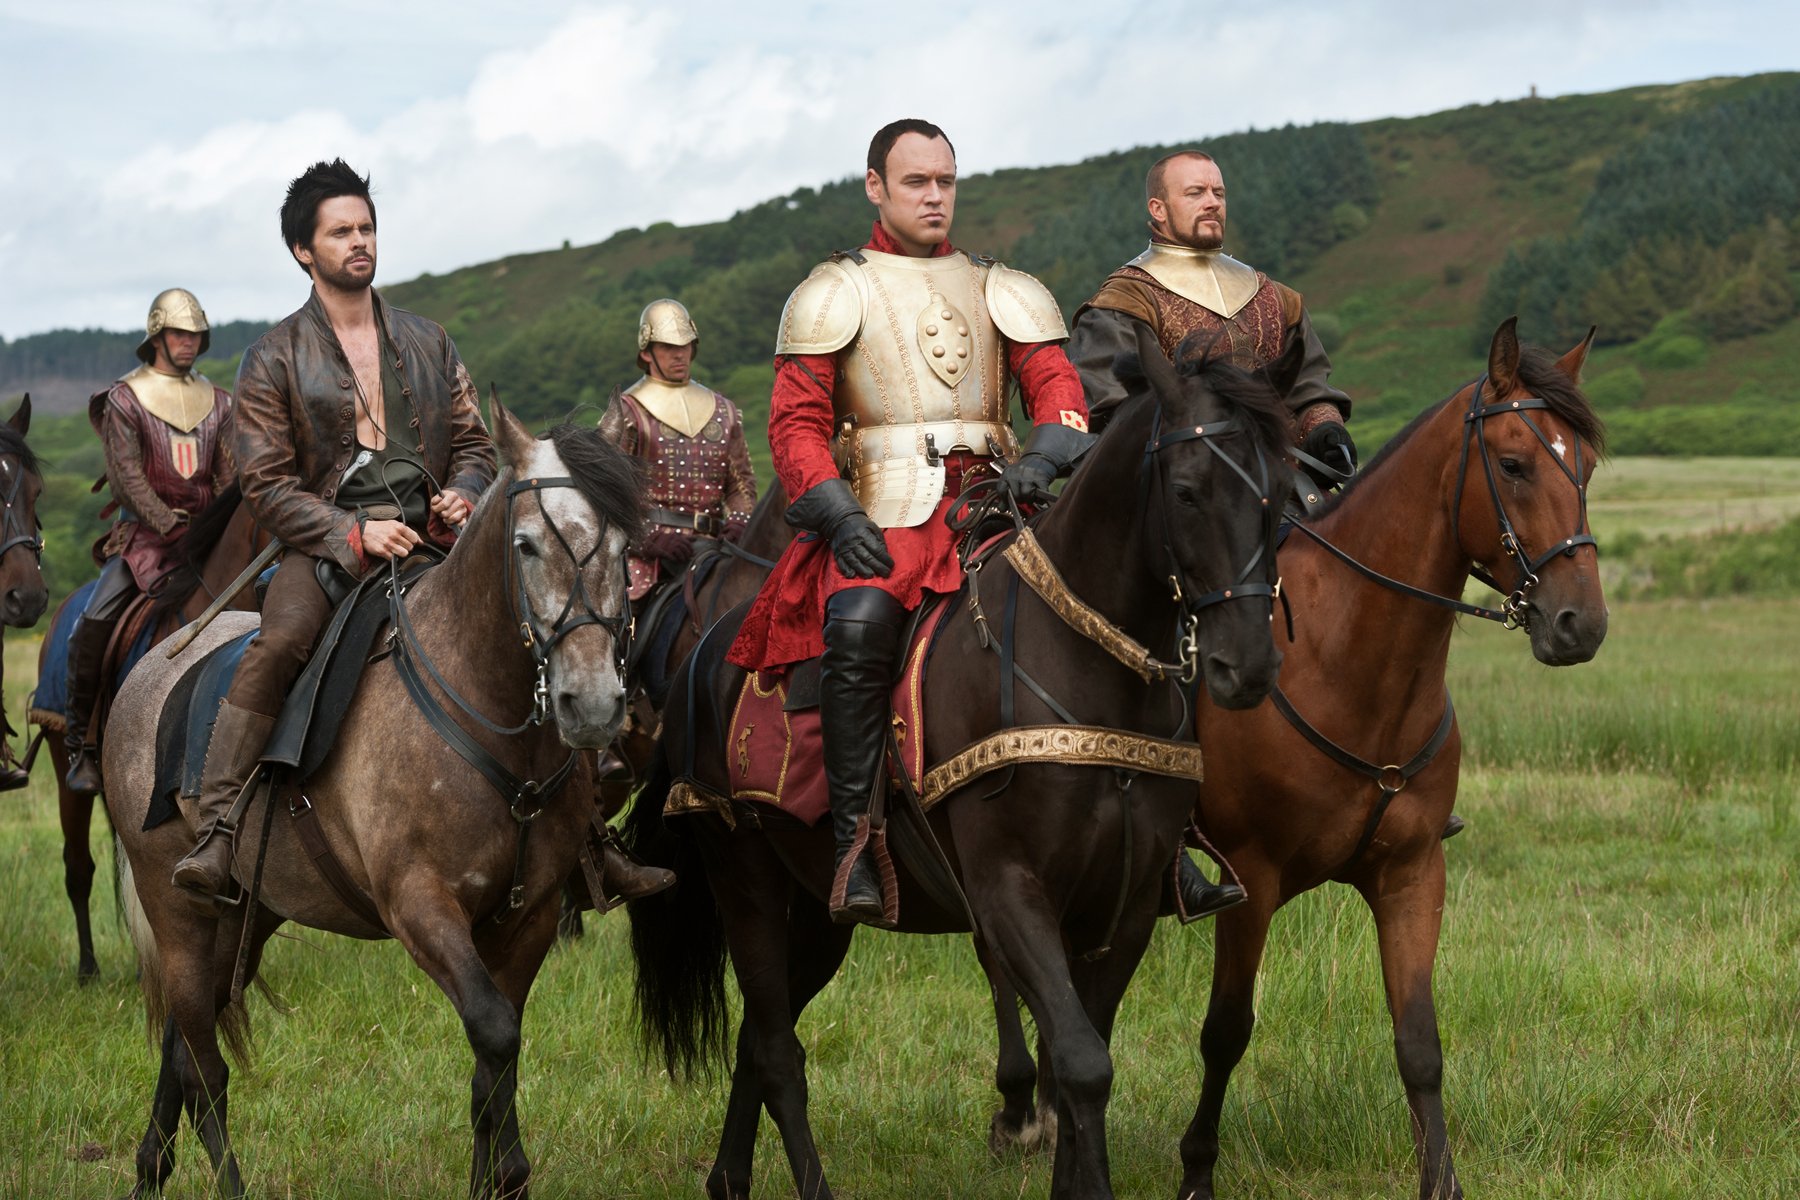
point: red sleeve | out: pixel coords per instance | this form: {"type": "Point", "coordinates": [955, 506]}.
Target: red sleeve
{"type": "Point", "coordinates": [1051, 387]}
{"type": "Point", "coordinates": [800, 421]}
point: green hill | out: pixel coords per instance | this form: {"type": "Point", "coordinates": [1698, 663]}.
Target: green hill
{"type": "Point", "coordinates": [1409, 238]}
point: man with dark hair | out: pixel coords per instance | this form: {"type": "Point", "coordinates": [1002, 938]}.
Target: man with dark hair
{"type": "Point", "coordinates": [165, 430]}
{"type": "Point", "coordinates": [1184, 283]}
{"type": "Point", "coordinates": [691, 440]}
{"type": "Point", "coordinates": [890, 397]}
{"type": "Point", "coordinates": [349, 414]}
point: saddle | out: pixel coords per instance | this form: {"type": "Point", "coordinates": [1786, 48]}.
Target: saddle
{"type": "Point", "coordinates": [658, 623]}
{"type": "Point", "coordinates": [308, 725]}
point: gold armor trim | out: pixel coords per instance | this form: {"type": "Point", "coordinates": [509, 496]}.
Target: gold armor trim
{"type": "Point", "coordinates": [1036, 569]}
{"type": "Point", "coordinates": [823, 314]}
{"type": "Point", "coordinates": [182, 400]}
{"type": "Point", "coordinates": [1023, 308]}
{"type": "Point", "coordinates": [176, 308]}
{"type": "Point", "coordinates": [1210, 278]}
{"type": "Point", "coordinates": [686, 407]}
{"type": "Point", "coordinates": [668, 322]}
{"type": "Point", "coordinates": [1064, 745]}
{"type": "Point", "coordinates": [685, 798]}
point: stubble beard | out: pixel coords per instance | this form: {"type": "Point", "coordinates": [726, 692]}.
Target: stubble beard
{"type": "Point", "coordinates": [343, 278]}
{"type": "Point", "coordinates": [1200, 239]}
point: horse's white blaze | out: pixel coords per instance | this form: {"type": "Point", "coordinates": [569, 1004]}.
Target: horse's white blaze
{"type": "Point", "coordinates": [1558, 446]}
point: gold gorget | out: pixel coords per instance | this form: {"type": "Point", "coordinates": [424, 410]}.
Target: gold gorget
{"type": "Point", "coordinates": [182, 400]}
{"type": "Point", "coordinates": [684, 407]}
{"type": "Point", "coordinates": [1210, 278]}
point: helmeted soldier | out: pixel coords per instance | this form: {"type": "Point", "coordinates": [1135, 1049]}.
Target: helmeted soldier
{"type": "Point", "coordinates": [890, 398]}
{"type": "Point", "coordinates": [1185, 283]}
{"type": "Point", "coordinates": [164, 429]}
{"type": "Point", "coordinates": [692, 441]}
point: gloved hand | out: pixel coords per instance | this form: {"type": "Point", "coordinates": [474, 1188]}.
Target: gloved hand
{"type": "Point", "coordinates": [667, 545]}
{"type": "Point", "coordinates": [734, 529]}
{"type": "Point", "coordinates": [831, 510]}
{"type": "Point", "coordinates": [1050, 451]}
{"type": "Point", "coordinates": [1329, 442]}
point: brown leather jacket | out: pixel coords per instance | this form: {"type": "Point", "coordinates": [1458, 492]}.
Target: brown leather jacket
{"type": "Point", "coordinates": [295, 423]}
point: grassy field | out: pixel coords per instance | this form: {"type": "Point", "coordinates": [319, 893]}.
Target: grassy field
{"type": "Point", "coordinates": [1616, 985]}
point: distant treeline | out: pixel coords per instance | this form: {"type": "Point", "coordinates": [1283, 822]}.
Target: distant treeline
{"type": "Point", "coordinates": [1700, 217]}
{"type": "Point", "coordinates": [99, 354]}
{"type": "Point", "coordinates": [1293, 193]}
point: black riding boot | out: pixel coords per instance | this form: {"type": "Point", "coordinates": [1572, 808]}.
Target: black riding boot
{"type": "Point", "coordinates": [856, 672]}
{"type": "Point", "coordinates": [87, 652]}
{"type": "Point", "coordinates": [1199, 898]}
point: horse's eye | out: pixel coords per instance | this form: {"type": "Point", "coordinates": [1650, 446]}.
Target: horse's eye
{"type": "Point", "coordinates": [525, 548]}
{"type": "Point", "coordinates": [1511, 467]}
{"type": "Point", "coordinates": [1185, 495]}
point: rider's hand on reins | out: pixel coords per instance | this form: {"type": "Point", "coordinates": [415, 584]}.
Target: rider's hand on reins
{"type": "Point", "coordinates": [832, 511]}
{"type": "Point", "coordinates": [450, 507]}
{"type": "Point", "coordinates": [389, 539]}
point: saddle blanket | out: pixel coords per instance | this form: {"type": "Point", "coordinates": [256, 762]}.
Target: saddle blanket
{"type": "Point", "coordinates": [776, 750]}
{"type": "Point", "coordinates": [50, 702]}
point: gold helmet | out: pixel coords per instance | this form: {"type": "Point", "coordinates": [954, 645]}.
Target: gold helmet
{"type": "Point", "coordinates": [667, 322]}
{"type": "Point", "coordinates": [176, 308]}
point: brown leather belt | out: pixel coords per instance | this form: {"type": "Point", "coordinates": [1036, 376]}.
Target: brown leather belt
{"type": "Point", "coordinates": [701, 523]}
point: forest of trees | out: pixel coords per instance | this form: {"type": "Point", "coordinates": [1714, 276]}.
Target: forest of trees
{"type": "Point", "coordinates": [1698, 220]}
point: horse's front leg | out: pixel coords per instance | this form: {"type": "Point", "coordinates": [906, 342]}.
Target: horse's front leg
{"type": "Point", "coordinates": [1239, 936]}
{"type": "Point", "coordinates": [1408, 902]}
{"type": "Point", "coordinates": [76, 811]}
{"type": "Point", "coordinates": [430, 924]}
{"type": "Point", "coordinates": [1015, 1072]}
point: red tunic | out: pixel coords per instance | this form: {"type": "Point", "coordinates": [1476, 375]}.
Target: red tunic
{"type": "Point", "coordinates": [786, 624]}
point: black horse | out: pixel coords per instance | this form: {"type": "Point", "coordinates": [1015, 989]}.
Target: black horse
{"type": "Point", "coordinates": [1165, 526]}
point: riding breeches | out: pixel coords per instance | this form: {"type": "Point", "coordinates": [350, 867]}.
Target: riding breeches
{"type": "Point", "coordinates": [293, 612]}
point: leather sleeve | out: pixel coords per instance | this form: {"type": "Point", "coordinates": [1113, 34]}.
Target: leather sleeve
{"type": "Point", "coordinates": [471, 447]}
{"type": "Point", "coordinates": [740, 477]}
{"type": "Point", "coordinates": [1314, 386]}
{"type": "Point", "coordinates": [125, 471]}
{"type": "Point", "coordinates": [263, 437]}
{"type": "Point", "coordinates": [800, 421]}
{"type": "Point", "coordinates": [1101, 334]}
{"type": "Point", "coordinates": [224, 463]}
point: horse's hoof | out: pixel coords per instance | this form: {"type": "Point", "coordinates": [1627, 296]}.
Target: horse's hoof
{"type": "Point", "coordinates": [1004, 1133]}
{"type": "Point", "coordinates": [87, 972]}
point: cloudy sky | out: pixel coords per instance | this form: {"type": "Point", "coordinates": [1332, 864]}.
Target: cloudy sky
{"type": "Point", "coordinates": [147, 145]}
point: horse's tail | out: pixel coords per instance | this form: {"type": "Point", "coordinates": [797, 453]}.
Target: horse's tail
{"type": "Point", "coordinates": [234, 1020]}
{"type": "Point", "coordinates": [677, 940]}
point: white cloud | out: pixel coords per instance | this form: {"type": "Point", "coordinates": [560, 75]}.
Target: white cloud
{"type": "Point", "coordinates": [593, 119]}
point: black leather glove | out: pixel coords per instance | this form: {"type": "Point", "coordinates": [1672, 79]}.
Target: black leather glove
{"type": "Point", "coordinates": [668, 545]}
{"type": "Point", "coordinates": [1330, 443]}
{"type": "Point", "coordinates": [831, 510]}
{"type": "Point", "coordinates": [734, 529]}
{"type": "Point", "coordinates": [1051, 450]}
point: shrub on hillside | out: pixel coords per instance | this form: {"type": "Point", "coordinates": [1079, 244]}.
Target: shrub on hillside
{"type": "Point", "coordinates": [1620, 387]}
{"type": "Point", "coordinates": [1727, 563]}
{"type": "Point", "coordinates": [1723, 429]}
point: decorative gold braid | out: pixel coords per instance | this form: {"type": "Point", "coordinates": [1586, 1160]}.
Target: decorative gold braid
{"type": "Point", "coordinates": [1065, 745]}
{"type": "Point", "coordinates": [685, 798]}
{"type": "Point", "coordinates": [1035, 568]}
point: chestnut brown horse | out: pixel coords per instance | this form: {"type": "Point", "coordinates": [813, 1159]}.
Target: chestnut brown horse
{"type": "Point", "coordinates": [453, 831]}
{"type": "Point", "coordinates": [216, 548]}
{"type": "Point", "coordinates": [1506, 458]}
{"type": "Point", "coordinates": [1057, 862]}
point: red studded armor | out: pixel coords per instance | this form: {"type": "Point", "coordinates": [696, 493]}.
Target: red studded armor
{"type": "Point", "coordinates": [708, 475]}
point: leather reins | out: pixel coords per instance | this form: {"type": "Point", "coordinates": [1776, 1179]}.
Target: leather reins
{"type": "Point", "coordinates": [13, 521]}
{"type": "Point", "coordinates": [520, 794]}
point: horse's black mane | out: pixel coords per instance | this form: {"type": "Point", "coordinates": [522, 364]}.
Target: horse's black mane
{"type": "Point", "coordinates": [1248, 393]}
{"type": "Point", "coordinates": [12, 442]}
{"type": "Point", "coordinates": [1539, 375]}
{"type": "Point", "coordinates": [610, 479]}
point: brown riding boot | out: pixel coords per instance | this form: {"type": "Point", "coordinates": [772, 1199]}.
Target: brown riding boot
{"type": "Point", "coordinates": [626, 879]}
{"type": "Point", "coordinates": [231, 758]}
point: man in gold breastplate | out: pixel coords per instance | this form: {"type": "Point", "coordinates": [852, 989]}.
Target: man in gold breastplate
{"type": "Point", "coordinates": [164, 429]}
{"type": "Point", "coordinates": [692, 442]}
{"type": "Point", "coordinates": [1184, 283]}
{"type": "Point", "coordinates": [890, 396]}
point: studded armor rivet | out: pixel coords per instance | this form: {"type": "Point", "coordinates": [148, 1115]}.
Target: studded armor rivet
{"type": "Point", "coordinates": [937, 352]}
{"type": "Point", "coordinates": [931, 331]}
{"type": "Point", "coordinates": [944, 313]}
{"type": "Point", "coordinates": [343, 383]}
{"type": "Point", "coordinates": [962, 331]}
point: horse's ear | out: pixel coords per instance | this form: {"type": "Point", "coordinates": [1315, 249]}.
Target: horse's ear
{"type": "Point", "coordinates": [1571, 363]}
{"type": "Point", "coordinates": [21, 418]}
{"type": "Point", "coordinates": [1156, 366]}
{"type": "Point", "coordinates": [1284, 372]}
{"type": "Point", "coordinates": [515, 441]}
{"type": "Point", "coordinates": [1503, 358]}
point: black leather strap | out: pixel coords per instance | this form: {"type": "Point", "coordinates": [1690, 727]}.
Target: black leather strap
{"type": "Point", "coordinates": [703, 523]}
{"type": "Point", "coordinates": [1405, 589]}
{"type": "Point", "coordinates": [331, 870]}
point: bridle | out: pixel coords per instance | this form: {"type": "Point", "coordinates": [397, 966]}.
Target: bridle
{"type": "Point", "coordinates": [522, 796]}
{"type": "Point", "coordinates": [1514, 610]}
{"type": "Point", "coordinates": [13, 529]}
{"type": "Point", "coordinates": [1150, 474]}
{"type": "Point", "coordinates": [1515, 606]}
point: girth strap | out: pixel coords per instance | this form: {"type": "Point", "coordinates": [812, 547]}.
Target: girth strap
{"type": "Point", "coordinates": [331, 869]}
{"type": "Point", "coordinates": [1383, 776]}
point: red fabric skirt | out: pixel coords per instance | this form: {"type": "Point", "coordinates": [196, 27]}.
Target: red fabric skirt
{"type": "Point", "coordinates": [786, 624]}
